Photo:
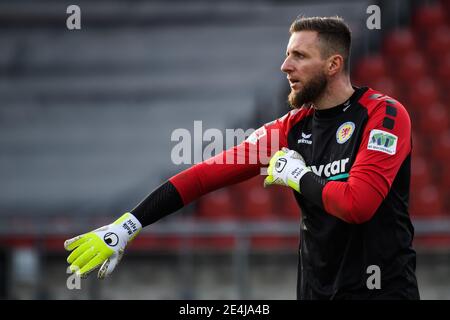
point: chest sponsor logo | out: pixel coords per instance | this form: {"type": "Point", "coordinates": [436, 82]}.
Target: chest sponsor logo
{"type": "Point", "coordinates": [382, 141]}
{"type": "Point", "coordinates": [332, 168]}
{"type": "Point", "coordinates": [305, 139]}
{"type": "Point", "coordinates": [345, 132]}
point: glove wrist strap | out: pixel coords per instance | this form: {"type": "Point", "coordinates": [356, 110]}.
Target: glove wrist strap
{"type": "Point", "coordinates": [130, 225]}
{"type": "Point", "coordinates": [294, 177]}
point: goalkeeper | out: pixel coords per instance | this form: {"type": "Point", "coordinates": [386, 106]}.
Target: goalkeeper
{"type": "Point", "coordinates": [344, 150]}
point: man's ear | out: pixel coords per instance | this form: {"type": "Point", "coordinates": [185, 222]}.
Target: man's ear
{"type": "Point", "coordinates": [335, 64]}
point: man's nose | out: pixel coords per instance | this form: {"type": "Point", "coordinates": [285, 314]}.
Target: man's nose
{"type": "Point", "coordinates": [286, 66]}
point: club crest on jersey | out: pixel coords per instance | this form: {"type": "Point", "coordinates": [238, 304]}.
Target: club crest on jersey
{"type": "Point", "coordinates": [345, 132]}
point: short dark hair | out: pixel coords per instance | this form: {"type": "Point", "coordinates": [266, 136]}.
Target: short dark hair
{"type": "Point", "coordinates": [333, 32]}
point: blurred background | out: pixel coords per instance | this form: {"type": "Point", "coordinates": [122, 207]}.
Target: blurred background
{"type": "Point", "coordinates": [86, 118]}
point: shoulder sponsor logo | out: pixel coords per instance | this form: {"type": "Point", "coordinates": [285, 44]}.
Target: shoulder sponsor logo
{"type": "Point", "coordinates": [383, 141]}
{"type": "Point", "coordinates": [306, 138]}
{"type": "Point", "coordinates": [345, 132]}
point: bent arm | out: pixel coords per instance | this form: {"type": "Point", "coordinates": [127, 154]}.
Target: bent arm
{"type": "Point", "coordinates": [382, 151]}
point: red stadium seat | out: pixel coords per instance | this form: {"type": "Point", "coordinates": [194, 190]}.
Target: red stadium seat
{"type": "Point", "coordinates": [421, 174]}
{"type": "Point", "coordinates": [446, 6]}
{"type": "Point", "coordinates": [441, 147]}
{"type": "Point", "coordinates": [444, 176]}
{"type": "Point", "coordinates": [223, 242]}
{"type": "Point", "coordinates": [253, 200]}
{"type": "Point", "coordinates": [284, 203]}
{"type": "Point", "coordinates": [426, 200]}
{"type": "Point", "coordinates": [385, 85]}
{"type": "Point", "coordinates": [444, 184]}
{"type": "Point", "coordinates": [267, 242]}
{"type": "Point", "coordinates": [438, 43]}
{"type": "Point", "coordinates": [443, 69]}
{"type": "Point", "coordinates": [257, 204]}
{"type": "Point", "coordinates": [421, 93]}
{"type": "Point", "coordinates": [370, 67]}
{"type": "Point", "coordinates": [443, 75]}
{"type": "Point", "coordinates": [398, 43]}
{"type": "Point", "coordinates": [417, 145]}
{"type": "Point", "coordinates": [434, 120]}
{"type": "Point", "coordinates": [411, 67]}
{"type": "Point", "coordinates": [428, 18]}
{"type": "Point", "coordinates": [218, 205]}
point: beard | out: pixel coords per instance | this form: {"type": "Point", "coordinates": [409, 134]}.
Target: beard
{"type": "Point", "coordinates": [311, 91]}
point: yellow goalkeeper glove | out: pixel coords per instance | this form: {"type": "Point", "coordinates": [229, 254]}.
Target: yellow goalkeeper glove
{"type": "Point", "coordinates": [102, 247]}
{"type": "Point", "coordinates": [286, 168]}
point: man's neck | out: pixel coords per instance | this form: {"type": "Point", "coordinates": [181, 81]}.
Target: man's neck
{"type": "Point", "coordinates": [336, 94]}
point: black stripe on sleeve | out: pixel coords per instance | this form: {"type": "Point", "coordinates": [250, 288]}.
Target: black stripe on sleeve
{"type": "Point", "coordinates": [391, 110]}
{"type": "Point", "coordinates": [163, 201]}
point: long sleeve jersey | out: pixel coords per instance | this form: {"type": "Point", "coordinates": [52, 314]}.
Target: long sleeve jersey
{"type": "Point", "coordinates": [354, 202]}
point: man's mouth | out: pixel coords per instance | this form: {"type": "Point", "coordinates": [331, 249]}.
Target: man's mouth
{"type": "Point", "coordinates": [293, 83]}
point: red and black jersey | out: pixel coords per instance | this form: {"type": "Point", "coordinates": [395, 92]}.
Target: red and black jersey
{"type": "Point", "coordinates": [354, 203]}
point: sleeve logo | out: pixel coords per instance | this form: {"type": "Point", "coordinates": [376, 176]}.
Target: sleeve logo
{"type": "Point", "coordinates": [383, 141]}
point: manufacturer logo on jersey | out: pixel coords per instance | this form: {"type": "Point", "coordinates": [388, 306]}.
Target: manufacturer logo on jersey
{"type": "Point", "coordinates": [383, 141]}
{"type": "Point", "coordinates": [306, 138]}
{"type": "Point", "coordinates": [345, 132]}
{"type": "Point", "coordinates": [346, 105]}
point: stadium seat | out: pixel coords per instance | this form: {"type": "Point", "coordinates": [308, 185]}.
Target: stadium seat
{"type": "Point", "coordinates": [267, 242]}
{"type": "Point", "coordinates": [253, 200]}
{"type": "Point", "coordinates": [441, 147]}
{"type": "Point", "coordinates": [428, 18]}
{"type": "Point", "coordinates": [284, 204]}
{"type": "Point", "coordinates": [417, 144]}
{"type": "Point", "coordinates": [385, 85]}
{"type": "Point", "coordinates": [222, 242]}
{"type": "Point", "coordinates": [370, 67]}
{"type": "Point", "coordinates": [421, 93]}
{"type": "Point", "coordinates": [257, 205]}
{"type": "Point", "coordinates": [443, 75]}
{"type": "Point", "coordinates": [438, 44]}
{"type": "Point", "coordinates": [426, 200]}
{"type": "Point", "coordinates": [218, 205]}
{"type": "Point", "coordinates": [434, 120]}
{"type": "Point", "coordinates": [398, 43]}
{"type": "Point", "coordinates": [444, 175]}
{"type": "Point", "coordinates": [421, 173]}
{"type": "Point", "coordinates": [411, 67]}
{"type": "Point", "coordinates": [444, 184]}
{"type": "Point", "coordinates": [446, 7]}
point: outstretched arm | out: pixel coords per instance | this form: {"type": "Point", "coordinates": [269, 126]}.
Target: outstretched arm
{"type": "Point", "coordinates": [105, 246]}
